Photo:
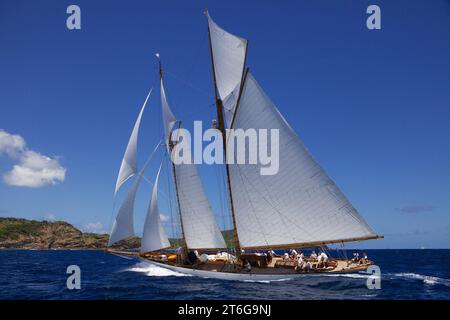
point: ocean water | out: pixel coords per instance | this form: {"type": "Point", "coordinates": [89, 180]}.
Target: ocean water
{"type": "Point", "coordinates": [405, 274]}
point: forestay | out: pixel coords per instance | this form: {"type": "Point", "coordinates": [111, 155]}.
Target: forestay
{"type": "Point", "coordinates": [228, 52]}
{"type": "Point", "coordinates": [300, 204]}
{"type": "Point", "coordinates": [154, 237]}
{"type": "Point", "coordinates": [128, 166]}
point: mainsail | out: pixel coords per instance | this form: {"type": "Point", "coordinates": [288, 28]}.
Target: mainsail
{"type": "Point", "coordinates": [128, 167]}
{"type": "Point", "coordinates": [154, 237]}
{"type": "Point", "coordinates": [229, 52]}
{"type": "Point", "coordinates": [198, 223]}
{"type": "Point", "coordinates": [298, 205]}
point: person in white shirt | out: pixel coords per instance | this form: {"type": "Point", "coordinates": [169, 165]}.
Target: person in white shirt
{"type": "Point", "coordinates": [299, 263]}
{"type": "Point", "coordinates": [293, 253]}
{"type": "Point", "coordinates": [286, 256]}
{"type": "Point", "coordinates": [355, 256]}
{"type": "Point", "coordinates": [323, 260]}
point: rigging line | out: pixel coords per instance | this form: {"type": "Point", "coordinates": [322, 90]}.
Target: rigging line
{"type": "Point", "coordinates": [172, 220]}
{"type": "Point", "coordinates": [222, 209]}
{"type": "Point", "coordinates": [192, 67]}
{"type": "Point", "coordinates": [174, 76]}
{"type": "Point", "coordinates": [279, 213]}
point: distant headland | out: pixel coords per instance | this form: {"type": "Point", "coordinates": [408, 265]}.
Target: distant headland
{"type": "Point", "coordinates": [31, 234]}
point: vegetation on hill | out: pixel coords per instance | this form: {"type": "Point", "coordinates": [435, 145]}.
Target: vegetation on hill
{"type": "Point", "coordinates": [31, 234]}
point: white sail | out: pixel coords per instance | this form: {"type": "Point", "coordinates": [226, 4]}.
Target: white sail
{"type": "Point", "coordinates": [123, 224]}
{"type": "Point", "coordinates": [154, 237]}
{"type": "Point", "coordinates": [128, 166]}
{"type": "Point", "coordinates": [298, 205]}
{"type": "Point", "coordinates": [167, 115]}
{"type": "Point", "coordinates": [199, 225]}
{"type": "Point", "coordinates": [228, 53]}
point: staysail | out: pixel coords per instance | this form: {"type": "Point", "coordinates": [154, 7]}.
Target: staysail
{"type": "Point", "coordinates": [154, 236]}
{"type": "Point", "coordinates": [198, 223]}
{"type": "Point", "coordinates": [229, 52]}
{"type": "Point", "coordinates": [128, 166]}
{"type": "Point", "coordinates": [298, 205]}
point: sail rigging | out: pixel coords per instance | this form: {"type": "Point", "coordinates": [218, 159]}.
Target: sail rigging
{"type": "Point", "coordinates": [128, 167]}
{"type": "Point", "coordinates": [154, 237]}
{"type": "Point", "coordinates": [199, 227]}
{"type": "Point", "coordinates": [299, 204]}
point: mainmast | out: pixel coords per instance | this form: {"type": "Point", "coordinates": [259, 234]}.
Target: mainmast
{"type": "Point", "coordinates": [221, 127]}
{"type": "Point", "coordinates": [171, 145]}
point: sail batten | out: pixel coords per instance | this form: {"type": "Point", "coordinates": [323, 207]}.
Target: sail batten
{"type": "Point", "coordinates": [300, 203]}
{"type": "Point", "coordinates": [128, 167]}
{"type": "Point", "coordinates": [154, 236]}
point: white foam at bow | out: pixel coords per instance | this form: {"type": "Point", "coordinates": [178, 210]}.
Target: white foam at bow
{"type": "Point", "coordinates": [155, 271]}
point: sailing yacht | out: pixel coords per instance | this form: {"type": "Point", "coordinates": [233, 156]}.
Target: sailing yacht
{"type": "Point", "coordinates": [299, 207]}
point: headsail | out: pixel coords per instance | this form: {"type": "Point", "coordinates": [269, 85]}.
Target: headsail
{"type": "Point", "coordinates": [198, 222]}
{"type": "Point", "coordinates": [154, 237]}
{"type": "Point", "coordinates": [128, 166]}
{"type": "Point", "coordinates": [229, 53]}
{"type": "Point", "coordinates": [300, 204]}
{"type": "Point", "coordinates": [123, 224]}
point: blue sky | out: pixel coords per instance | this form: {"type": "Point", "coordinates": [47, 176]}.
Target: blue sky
{"type": "Point", "coordinates": [372, 106]}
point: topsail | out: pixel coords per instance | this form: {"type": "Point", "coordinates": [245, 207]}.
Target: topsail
{"type": "Point", "coordinates": [229, 52]}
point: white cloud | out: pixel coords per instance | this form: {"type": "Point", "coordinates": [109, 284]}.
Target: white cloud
{"type": "Point", "coordinates": [163, 218]}
{"type": "Point", "coordinates": [11, 144]}
{"type": "Point", "coordinates": [34, 169]}
{"type": "Point", "coordinates": [95, 227]}
{"type": "Point", "coordinates": [51, 217]}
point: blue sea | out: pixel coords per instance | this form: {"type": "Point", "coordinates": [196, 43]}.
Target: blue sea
{"type": "Point", "coordinates": [405, 274]}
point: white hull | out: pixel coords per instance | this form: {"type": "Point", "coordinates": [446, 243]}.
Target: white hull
{"type": "Point", "coordinates": [226, 275]}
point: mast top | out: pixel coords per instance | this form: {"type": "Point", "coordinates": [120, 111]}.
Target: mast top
{"type": "Point", "coordinates": [160, 65]}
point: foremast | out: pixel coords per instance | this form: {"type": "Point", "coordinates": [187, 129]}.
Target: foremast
{"type": "Point", "coordinates": [174, 172]}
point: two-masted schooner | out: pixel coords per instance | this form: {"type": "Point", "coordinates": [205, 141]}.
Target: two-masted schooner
{"type": "Point", "coordinates": [298, 207]}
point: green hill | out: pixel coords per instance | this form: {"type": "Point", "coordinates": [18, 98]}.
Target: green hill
{"type": "Point", "coordinates": [32, 234]}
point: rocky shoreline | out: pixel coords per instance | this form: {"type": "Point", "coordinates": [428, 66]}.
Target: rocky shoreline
{"type": "Point", "coordinates": [50, 235]}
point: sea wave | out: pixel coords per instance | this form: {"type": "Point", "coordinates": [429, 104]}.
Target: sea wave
{"type": "Point", "coordinates": [429, 280]}
{"type": "Point", "coordinates": [151, 270]}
